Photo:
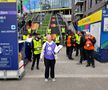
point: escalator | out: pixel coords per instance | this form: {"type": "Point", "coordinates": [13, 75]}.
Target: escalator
{"type": "Point", "coordinates": [54, 25]}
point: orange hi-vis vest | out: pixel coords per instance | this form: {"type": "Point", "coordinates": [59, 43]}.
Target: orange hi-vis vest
{"type": "Point", "coordinates": [88, 45]}
{"type": "Point", "coordinates": [69, 41]}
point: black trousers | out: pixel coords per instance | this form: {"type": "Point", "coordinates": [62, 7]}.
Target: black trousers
{"type": "Point", "coordinates": [36, 57]}
{"type": "Point", "coordinates": [90, 57]}
{"type": "Point", "coordinates": [29, 53]}
{"type": "Point", "coordinates": [77, 49]}
{"type": "Point", "coordinates": [69, 52]}
{"type": "Point", "coordinates": [82, 55]}
{"type": "Point", "coordinates": [49, 68]}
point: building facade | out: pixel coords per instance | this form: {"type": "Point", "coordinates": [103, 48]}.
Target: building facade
{"type": "Point", "coordinates": [83, 8]}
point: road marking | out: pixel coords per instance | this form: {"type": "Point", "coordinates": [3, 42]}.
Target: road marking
{"type": "Point", "coordinates": [70, 76]}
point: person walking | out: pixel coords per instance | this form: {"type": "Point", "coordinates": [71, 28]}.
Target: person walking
{"type": "Point", "coordinates": [48, 52]}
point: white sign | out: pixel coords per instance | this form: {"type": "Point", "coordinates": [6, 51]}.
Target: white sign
{"type": "Point", "coordinates": [105, 24]}
{"type": "Point", "coordinates": [95, 30]}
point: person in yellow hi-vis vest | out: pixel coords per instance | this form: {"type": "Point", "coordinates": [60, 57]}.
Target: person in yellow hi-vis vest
{"type": "Point", "coordinates": [57, 40]}
{"type": "Point", "coordinates": [77, 39]}
{"type": "Point", "coordinates": [44, 38]}
{"type": "Point", "coordinates": [29, 30]}
{"type": "Point", "coordinates": [49, 31]}
{"type": "Point", "coordinates": [63, 30]}
{"type": "Point", "coordinates": [36, 49]}
{"type": "Point", "coordinates": [24, 37]}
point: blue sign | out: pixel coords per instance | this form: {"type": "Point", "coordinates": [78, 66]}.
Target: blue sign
{"type": "Point", "coordinates": [104, 33]}
{"type": "Point", "coordinates": [8, 37]}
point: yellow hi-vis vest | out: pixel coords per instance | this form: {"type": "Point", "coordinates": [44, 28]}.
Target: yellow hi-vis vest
{"type": "Point", "coordinates": [49, 31]}
{"type": "Point", "coordinates": [77, 37]}
{"type": "Point", "coordinates": [63, 30]}
{"type": "Point", "coordinates": [24, 37]}
{"type": "Point", "coordinates": [37, 46]}
{"type": "Point", "coordinates": [29, 31]}
{"type": "Point", "coordinates": [44, 39]}
{"type": "Point", "coordinates": [57, 39]}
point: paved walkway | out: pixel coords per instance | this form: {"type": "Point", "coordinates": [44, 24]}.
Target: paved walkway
{"type": "Point", "coordinates": [70, 76]}
{"type": "Point", "coordinates": [69, 68]}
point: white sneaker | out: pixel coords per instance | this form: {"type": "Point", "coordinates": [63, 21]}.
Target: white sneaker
{"type": "Point", "coordinates": [46, 80]}
{"type": "Point", "coordinates": [53, 79]}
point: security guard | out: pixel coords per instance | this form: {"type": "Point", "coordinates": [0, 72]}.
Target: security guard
{"type": "Point", "coordinates": [29, 30]}
{"type": "Point", "coordinates": [89, 49]}
{"type": "Point", "coordinates": [57, 40]}
{"type": "Point", "coordinates": [24, 37]}
{"type": "Point", "coordinates": [82, 51]}
{"type": "Point", "coordinates": [63, 30]}
{"type": "Point", "coordinates": [77, 37]}
{"type": "Point", "coordinates": [36, 48]}
{"type": "Point", "coordinates": [70, 45]}
{"type": "Point", "coordinates": [64, 39]}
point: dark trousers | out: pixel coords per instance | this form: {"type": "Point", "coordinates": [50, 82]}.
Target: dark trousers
{"type": "Point", "coordinates": [49, 67]}
{"type": "Point", "coordinates": [28, 52]}
{"type": "Point", "coordinates": [90, 57]}
{"type": "Point", "coordinates": [36, 57]}
{"type": "Point", "coordinates": [82, 54]}
{"type": "Point", "coordinates": [69, 52]}
{"type": "Point", "coordinates": [29, 55]}
{"type": "Point", "coordinates": [77, 49]}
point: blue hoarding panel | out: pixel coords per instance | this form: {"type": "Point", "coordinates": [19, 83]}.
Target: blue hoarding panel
{"type": "Point", "coordinates": [8, 37]}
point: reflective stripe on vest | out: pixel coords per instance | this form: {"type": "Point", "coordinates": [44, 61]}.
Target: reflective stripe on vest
{"type": "Point", "coordinates": [37, 46]}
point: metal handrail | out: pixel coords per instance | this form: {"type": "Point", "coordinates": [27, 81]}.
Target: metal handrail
{"type": "Point", "coordinates": [49, 22]}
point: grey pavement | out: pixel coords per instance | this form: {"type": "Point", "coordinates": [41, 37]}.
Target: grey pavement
{"type": "Point", "coordinates": [69, 76]}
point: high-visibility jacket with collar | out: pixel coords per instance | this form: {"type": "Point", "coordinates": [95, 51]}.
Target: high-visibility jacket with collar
{"type": "Point", "coordinates": [37, 46]}
{"type": "Point", "coordinates": [89, 45]}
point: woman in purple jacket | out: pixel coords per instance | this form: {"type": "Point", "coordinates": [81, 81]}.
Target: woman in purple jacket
{"type": "Point", "coordinates": [48, 52]}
